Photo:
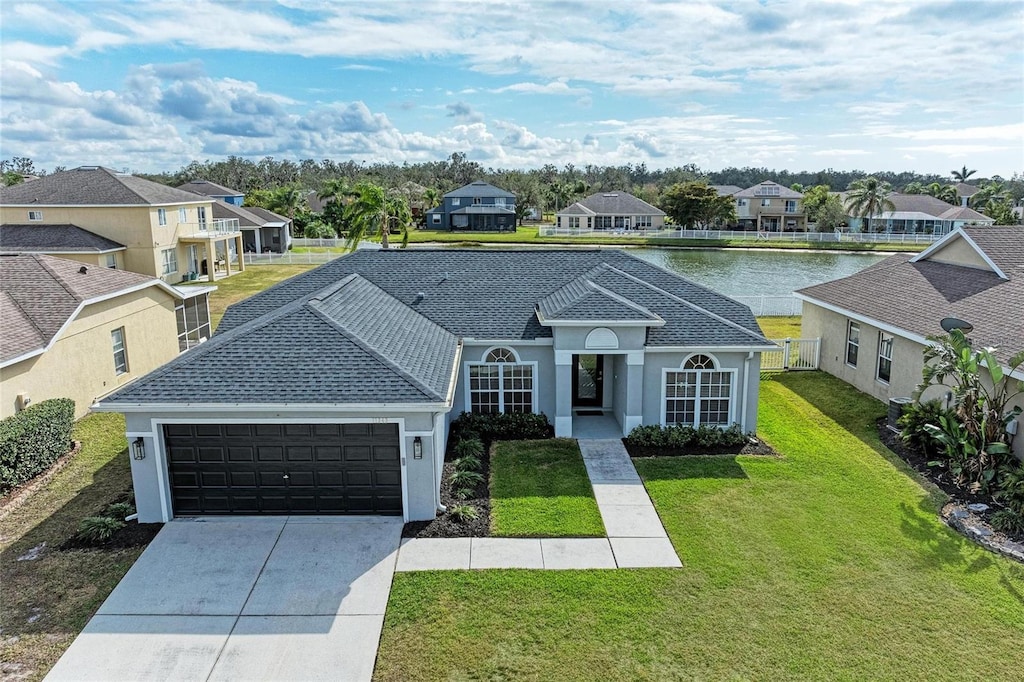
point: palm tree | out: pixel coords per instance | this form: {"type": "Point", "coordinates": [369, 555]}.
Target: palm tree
{"type": "Point", "coordinates": [374, 211]}
{"type": "Point", "coordinates": [962, 174]}
{"type": "Point", "coordinates": [287, 199]}
{"type": "Point", "coordinates": [336, 189]}
{"type": "Point", "coordinates": [914, 188]}
{"type": "Point", "coordinates": [942, 192]}
{"type": "Point", "coordinates": [992, 193]}
{"type": "Point", "coordinates": [867, 198]}
{"type": "Point", "coordinates": [431, 198]}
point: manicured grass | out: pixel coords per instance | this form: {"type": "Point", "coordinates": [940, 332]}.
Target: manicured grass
{"type": "Point", "coordinates": [780, 327]}
{"type": "Point", "coordinates": [62, 589]}
{"type": "Point", "coordinates": [828, 563]}
{"type": "Point", "coordinates": [540, 488]}
{"type": "Point", "coordinates": [255, 279]}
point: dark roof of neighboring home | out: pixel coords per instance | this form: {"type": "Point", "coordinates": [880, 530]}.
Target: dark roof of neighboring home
{"type": "Point", "coordinates": [93, 186]}
{"type": "Point", "coordinates": [615, 203]}
{"type": "Point", "coordinates": [965, 190]}
{"type": "Point", "coordinates": [929, 291]}
{"type": "Point", "coordinates": [726, 190]}
{"type": "Point", "coordinates": [268, 216]}
{"type": "Point", "coordinates": [210, 189]}
{"type": "Point", "coordinates": [53, 239]}
{"type": "Point", "coordinates": [41, 293]}
{"type": "Point", "coordinates": [347, 342]}
{"type": "Point", "coordinates": [767, 189]}
{"type": "Point", "coordinates": [494, 294]}
{"type": "Point", "coordinates": [964, 213]}
{"type": "Point", "coordinates": [919, 203]}
{"type": "Point", "coordinates": [479, 189]}
{"type": "Point", "coordinates": [315, 203]}
{"type": "Point", "coordinates": [246, 218]}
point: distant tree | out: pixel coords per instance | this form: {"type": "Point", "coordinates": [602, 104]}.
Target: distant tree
{"type": "Point", "coordinates": [336, 189]}
{"type": "Point", "coordinates": [376, 212]}
{"type": "Point", "coordinates": [1002, 212]}
{"type": "Point", "coordinates": [261, 198]}
{"type": "Point", "coordinates": [831, 214]}
{"type": "Point", "coordinates": [942, 192]}
{"type": "Point", "coordinates": [21, 165]}
{"type": "Point", "coordinates": [814, 199]}
{"type": "Point", "coordinates": [431, 198]}
{"type": "Point", "coordinates": [991, 192]}
{"type": "Point", "coordinates": [12, 178]}
{"type": "Point", "coordinates": [867, 198]}
{"type": "Point", "coordinates": [962, 174]}
{"type": "Point", "coordinates": [914, 188]}
{"type": "Point", "coordinates": [797, 187]}
{"type": "Point", "coordinates": [694, 205]}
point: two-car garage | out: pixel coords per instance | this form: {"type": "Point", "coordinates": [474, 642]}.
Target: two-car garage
{"type": "Point", "coordinates": [284, 468]}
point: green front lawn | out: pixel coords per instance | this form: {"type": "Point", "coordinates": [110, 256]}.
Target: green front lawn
{"type": "Point", "coordinates": [780, 327]}
{"type": "Point", "coordinates": [255, 279]}
{"type": "Point", "coordinates": [540, 488]}
{"type": "Point", "coordinates": [61, 590]}
{"type": "Point", "coordinates": [829, 563]}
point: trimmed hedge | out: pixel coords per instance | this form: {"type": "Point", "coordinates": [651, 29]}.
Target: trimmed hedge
{"type": "Point", "coordinates": [33, 439]}
{"type": "Point", "coordinates": [679, 437]}
{"type": "Point", "coordinates": [500, 426]}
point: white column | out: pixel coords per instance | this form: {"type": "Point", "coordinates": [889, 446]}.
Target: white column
{"type": "Point", "coordinates": [634, 391]}
{"type": "Point", "coordinates": [563, 394]}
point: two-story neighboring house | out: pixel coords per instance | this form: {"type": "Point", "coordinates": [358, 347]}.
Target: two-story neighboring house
{"type": "Point", "coordinates": [770, 207]}
{"type": "Point", "coordinates": [476, 206]}
{"type": "Point", "coordinates": [611, 211]}
{"type": "Point", "coordinates": [263, 231]}
{"type": "Point", "coordinates": [212, 189]}
{"type": "Point", "coordinates": [166, 232]}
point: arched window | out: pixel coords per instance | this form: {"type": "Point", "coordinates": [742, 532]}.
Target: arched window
{"type": "Point", "coordinates": [699, 393]}
{"type": "Point", "coordinates": [500, 383]}
{"type": "Point", "coordinates": [601, 338]}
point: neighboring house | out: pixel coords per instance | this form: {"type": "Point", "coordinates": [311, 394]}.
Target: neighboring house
{"type": "Point", "coordinates": [66, 241]}
{"type": "Point", "coordinates": [315, 203]}
{"type": "Point", "coordinates": [726, 190]}
{"type": "Point", "coordinates": [78, 331]}
{"type": "Point", "coordinates": [476, 206]}
{"type": "Point", "coordinates": [611, 211]}
{"type": "Point", "coordinates": [215, 191]}
{"type": "Point", "coordinates": [920, 214]}
{"type": "Point", "coordinates": [966, 192]}
{"type": "Point", "coordinates": [332, 392]}
{"type": "Point", "coordinates": [873, 324]}
{"type": "Point", "coordinates": [263, 231]}
{"type": "Point", "coordinates": [166, 232]}
{"type": "Point", "coordinates": [770, 207]}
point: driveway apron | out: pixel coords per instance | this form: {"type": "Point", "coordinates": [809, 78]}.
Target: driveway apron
{"type": "Point", "coordinates": [276, 598]}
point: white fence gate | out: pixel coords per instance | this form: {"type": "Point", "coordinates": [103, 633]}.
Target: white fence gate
{"type": "Point", "coordinates": [795, 354]}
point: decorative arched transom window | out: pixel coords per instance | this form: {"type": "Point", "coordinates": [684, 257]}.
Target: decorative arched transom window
{"type": "Point", "coordinates": [500, 383]}
{"type": "Point", "coordinates": [699, 393]}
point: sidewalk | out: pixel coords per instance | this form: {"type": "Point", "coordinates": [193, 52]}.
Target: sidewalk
{"type": "Point", "coordinates": [636, 538]}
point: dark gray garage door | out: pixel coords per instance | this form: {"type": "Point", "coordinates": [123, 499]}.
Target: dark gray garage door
{"type": "Point", "coordinates": [284, 468]}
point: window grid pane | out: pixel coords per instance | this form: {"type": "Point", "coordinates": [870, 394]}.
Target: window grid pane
{"type": "Point", "coordinates": [120, 352]}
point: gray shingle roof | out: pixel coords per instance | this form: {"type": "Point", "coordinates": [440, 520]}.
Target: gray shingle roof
{"type": "Point", "coordinates": [764, 189]}
{"type": "Point", "coordinates": [348, 342]}
{"type": "Point", "coordinates": [246, 218]}
{"type": "Point", "coordinates": [583, 299]}
{"type": "Point", "coordinates": [929, 291]}
{"type": "Point", "coordinates": [617, 203]}
{"type": "Point", "coordinates": [919, 203]}
{"type": "Point", "coordinates": [268, 216]}
{"type": "Point", "coordinates": [53, 239]}
{"type": "Point", "coordinates": [210, 189]}
{"type": "Point", "coordinates": [94, 185]}
{"type": "Point", "coordinates": [964, 213]}
{"type": "Point", "coordinates": [726, 190]}
{"type": "Point", "coordinates": [480, 189]}
{"type": "Point", "coordinates": [966, 190]}
{"type": "Point", "coordinates": [494, 294]}
{"type": "Point", "coordinates": [41, 293]}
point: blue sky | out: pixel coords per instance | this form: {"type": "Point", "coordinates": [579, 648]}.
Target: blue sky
{"type": "Point", "coordinates": [151, 86]}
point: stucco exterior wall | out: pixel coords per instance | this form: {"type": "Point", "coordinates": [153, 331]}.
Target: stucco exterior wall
{"type": "Point", "coordinates": [544, 375]}
{"type": "Point", "coordinates": [80, 365]}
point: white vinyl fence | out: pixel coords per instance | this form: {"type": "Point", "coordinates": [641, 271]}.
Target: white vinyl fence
{"type": "Point", "coordinates": [794, 354]}
{"type": "Point", "coordinates": [812, 237]}
{"type": "Point", "coordinates": [289, 258]}
{"type": "Point", "coordinates": [771, 306]}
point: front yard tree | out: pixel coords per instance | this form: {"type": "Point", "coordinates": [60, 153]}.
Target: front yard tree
{"type": "Point", "coordinates": [694, 205]}
{"type": "Point", "coordinates": [375, 211]}
{"type": "Point", "coordinates": [867, 198]}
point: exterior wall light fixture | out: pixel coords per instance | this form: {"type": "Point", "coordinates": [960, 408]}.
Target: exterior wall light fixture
{"type": "Point", "coordinates": [417, 448]}
{"type": "Point", "coordinates": [138, 448]}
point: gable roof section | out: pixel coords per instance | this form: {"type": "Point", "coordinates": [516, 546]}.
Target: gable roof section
{"type": "Point", "coordinates": [479, 189]}
{"type": "Point", "coordinates": [347, 343]}
{"type": "Point", "coordinates": [965, 213]}
{"type": "Point", "coordinates": [918, 203]}
{"type": "Point", "coordinates": [576, 209]}
{"type": "Point", "coordinates": [246, 218]}
{"type": "Point", "coordinates": [493, 295]}
{"type": "Point", "coordinates": [42, 294]}
{"type": "Point", "coordinates": [583, 300]}
{"type": "Point", "coordinates": [961, 235]}
{"type": "Point", "coordinates": [94, 186]}
{"type": "Point", "coordinates": [54, 239]}
{"type": "Point", "coordinates": [966, 190]}
{"type": "Point", "coordinates": [930, 291]}
{"type": "Point", "coordinates": [725, 190]}
{"type": "Point", "coordinates": [210, 189]}
{"type": "Point", "coordinates": [768, 189]}
{"type": "Point", "coordinates": [618, 203]}
{"type": "Point", "coordinates": [268, 216]}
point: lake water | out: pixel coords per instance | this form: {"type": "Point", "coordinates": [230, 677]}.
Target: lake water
{"type": "Point", "coordinates": [737, 272]}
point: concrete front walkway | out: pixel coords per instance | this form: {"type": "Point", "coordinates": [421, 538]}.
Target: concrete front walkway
{"type": "Point", "coordinates": [275, 598]}
{"type": "Point", "coordinates": [636, 538]}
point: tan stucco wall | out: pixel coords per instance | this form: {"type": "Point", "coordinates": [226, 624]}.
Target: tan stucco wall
{"type": "Point", "coordinates": [959, 252]}
{"type": "Point", "coordinates": [137, 227]}
{"type": "Point", "coordinates": [80, 365]}
{"type": "Point", "coordinates": [907, 361]}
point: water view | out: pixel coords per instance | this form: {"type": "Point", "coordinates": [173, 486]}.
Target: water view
{"type": "Point", "coordinates": [736, 272]}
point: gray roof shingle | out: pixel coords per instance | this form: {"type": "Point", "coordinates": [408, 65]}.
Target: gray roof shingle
{"type": "Point", "coordinates": [94, 185]}
{"type": "Point", "coordinates": [583, 299]}
{"type": "Point", "coordinates": [53, 239]}
{"type": "Point", "coordinates": [480, 188]}
{"type": "Point", "coordinates": [616, 203]}
{"type": "Point", "coordinates": [210, 189]}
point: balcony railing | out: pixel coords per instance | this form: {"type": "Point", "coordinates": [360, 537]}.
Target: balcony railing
{"type": "Point", "coordinates": [219, 227]}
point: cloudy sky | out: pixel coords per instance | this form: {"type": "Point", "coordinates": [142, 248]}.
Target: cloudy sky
{"type": "Point", "coordinates": [150, 86]}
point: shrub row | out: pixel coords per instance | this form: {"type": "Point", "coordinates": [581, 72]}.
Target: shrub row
{"type": "Point", "coordinates": [33, 439]}
{"type": "Point", "coordinates": [500, 426]}
{"type": "Point", "coordinates": [680, 437]}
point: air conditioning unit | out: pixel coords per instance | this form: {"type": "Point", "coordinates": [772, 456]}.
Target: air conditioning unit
{"type": "Point", "coordinates": [897, 406]}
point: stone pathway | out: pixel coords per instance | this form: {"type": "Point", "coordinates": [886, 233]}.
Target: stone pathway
{"type": "Point", "coordinates": [636, 538]}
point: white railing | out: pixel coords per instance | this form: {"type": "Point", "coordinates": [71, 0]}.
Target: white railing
{"type": "Point", "coordinates": [771, 306]}
{"type": "Point", "coordinates": [291, 258]}
{"type": "Point", "coordinates": [742, 235]}
{"type": "Point", "coordinates": [212, 228]}
{"type": "Point", "coordinates": [332, 243]}
{"type": "Point", "coordinates": [793, 354]}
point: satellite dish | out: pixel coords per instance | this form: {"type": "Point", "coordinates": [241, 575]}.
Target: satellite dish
{"type": "Point", "coordinates": [951, 323]}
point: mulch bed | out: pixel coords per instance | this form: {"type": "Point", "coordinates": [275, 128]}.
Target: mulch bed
{"type": "Point", "coordinates": [939, 476]}
{"type": "Point", "coordinates": [757, 448]}
{"type": "Point", "coordinates": [134, 534]}
{"type": "Point", "coordinates": [445, 525]}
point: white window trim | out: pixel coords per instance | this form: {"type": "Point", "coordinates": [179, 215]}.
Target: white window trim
{"type": "Point", "coordinates": [733, 373]}
{"type": "Point", "coordinates": [38, 216]}
{"type": "Point", "coordinates": [879, 357]}
{"type": "Point", "coordinates": [849, 325]}
{"type": "Point", "coordinates": [501, 391]}
{"type": "Point", "coordinates": [164, 263]}
{"type": "Point", "coordinates": [182, 215]}
{"type": "Point", "coordinates": [161, 217]}
{"type": "Point", "coordinates": [124, 351]}
{"type": "Point", "coordinates": [456, 201]}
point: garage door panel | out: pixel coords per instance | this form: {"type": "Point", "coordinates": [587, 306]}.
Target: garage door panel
{"type": "Point", "coordinates": [242, 468]}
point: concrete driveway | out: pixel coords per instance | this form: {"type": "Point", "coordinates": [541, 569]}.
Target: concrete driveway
{"type": "Point", "coordinates": [277, 598]}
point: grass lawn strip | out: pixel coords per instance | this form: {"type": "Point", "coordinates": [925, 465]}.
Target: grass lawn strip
{"type": "Point", "coordinates": [829, 563]}
{"type": "Point", "coordinates": [255, 279]}
{"type": "Point", "coordinates": [540, 488]}
{"type": "Point", "coordinates": [780, 327]}
{"type": "Point", "coordinates": [47, 602]}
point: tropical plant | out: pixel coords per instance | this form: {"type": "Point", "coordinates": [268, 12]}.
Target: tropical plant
{"type": "Point", "coordinates": [467, 463]}
{"type": "Point", "coordinates": [464, 512]}
{"type": "Point", "coordinates": [867, 198]}
{"type": "Point", "coordinates": [1002, 213]}
{"type": "Point", "coordinates": [466, 479]}
{"type": "Point", "coordinates": [942, 192]}
{"type": "Point", "coordinates": [972, 462]}
{"type": "Point", "coordinates": [374, 212]}
{"type": "Point", "coordinates": [469, 447]}
{"type": "Point", "coordinates": [337, 190]}
{"type": "Point", "coordinates": [915, 417]}
{"type": "Point", "coordinates": [98, 529]}
{"type": "Point", "coordinates": [431, 198]}
{"type": "Point", "coordinates": [119, 510]}
{"type": "Point", "coordinates": [991, 193]}
{"type": "Point", "coordinates": [962, 174]}
{"type": "Point", "coordinates": [1010, 494]}
{"type": "Point", "coordinates": [914, 188]}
